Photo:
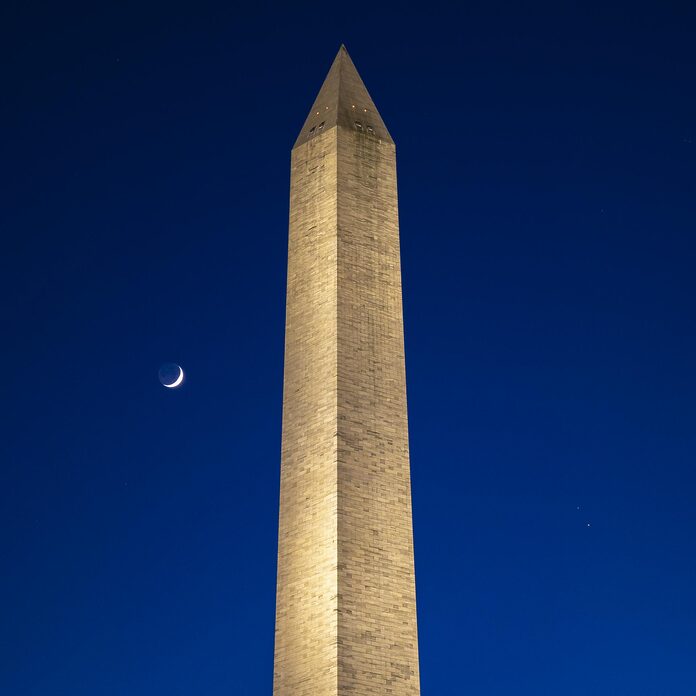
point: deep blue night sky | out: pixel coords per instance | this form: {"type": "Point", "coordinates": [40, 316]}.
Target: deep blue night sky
{"type": "Point", "coordinates": [547, 162]}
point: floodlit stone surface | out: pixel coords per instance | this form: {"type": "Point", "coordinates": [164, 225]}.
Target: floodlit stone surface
{"type": "Point", "coordinates": [346, 607]}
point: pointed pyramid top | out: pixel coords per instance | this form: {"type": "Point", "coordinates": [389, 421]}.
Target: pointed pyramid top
{"type": "Point", "coordinates": [343, 100]}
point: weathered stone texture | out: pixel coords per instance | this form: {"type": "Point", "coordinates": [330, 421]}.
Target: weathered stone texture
{"type": "Point", "coordinates": [346, 612]}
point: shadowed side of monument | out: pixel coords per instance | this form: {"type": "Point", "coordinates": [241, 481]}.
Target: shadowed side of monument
{"type": "Point", "coordinates": [346, 608]}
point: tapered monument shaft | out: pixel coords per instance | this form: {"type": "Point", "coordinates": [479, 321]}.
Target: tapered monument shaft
{"type": "Point", "coordinates": [346, 607]}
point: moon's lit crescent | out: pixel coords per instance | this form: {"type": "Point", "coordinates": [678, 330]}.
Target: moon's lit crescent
{"type": "Point", "coordinates": [178, 380]}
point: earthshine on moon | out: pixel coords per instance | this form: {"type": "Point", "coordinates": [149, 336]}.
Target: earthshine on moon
{"type": "Point", "coordinates": [171, 375]}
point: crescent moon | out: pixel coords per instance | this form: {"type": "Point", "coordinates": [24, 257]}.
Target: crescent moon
{"type": "Point", "coordinates": [178, 380]}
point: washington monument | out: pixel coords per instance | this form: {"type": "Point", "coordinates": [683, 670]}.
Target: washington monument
{"type": "Point", "coordinates": [346, 600]}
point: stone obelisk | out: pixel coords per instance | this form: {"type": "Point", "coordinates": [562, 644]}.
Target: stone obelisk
{"type": "Point", "coordinates": [346, 602]}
